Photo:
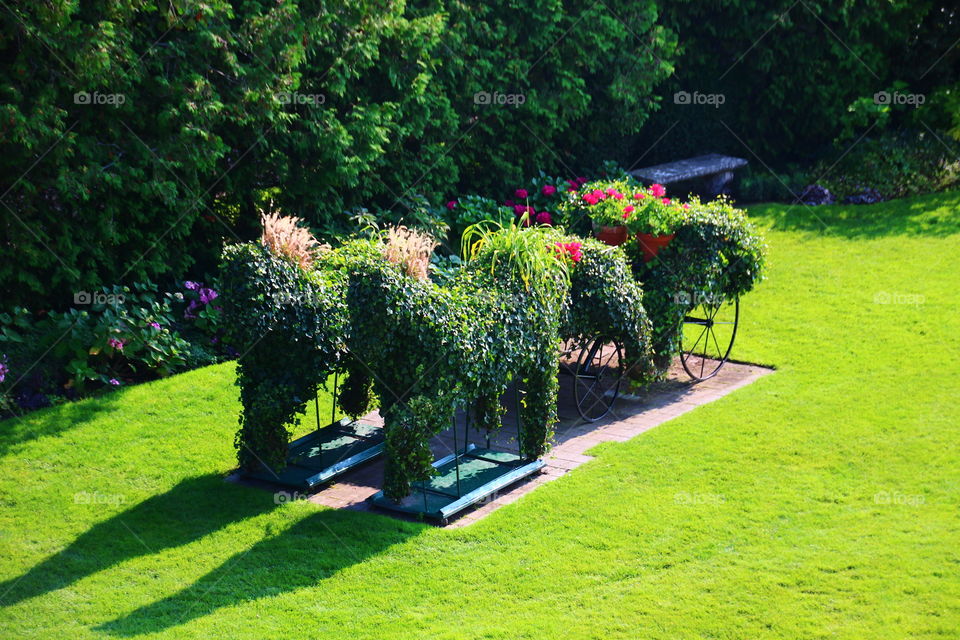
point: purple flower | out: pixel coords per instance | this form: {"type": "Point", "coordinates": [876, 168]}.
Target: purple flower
{"type": "Point", "coordinates": [207, 295]}
{"type": "Point", "coordinates": [114, 382]}
{"type": "Point", "coordinates": [191, 285]}
{"type": "Point", "coordinates": [191, 311]}
{"type": "Point", "coordinates": [4, 369]}
{"type": "Point", "coordinates": [155, 325]}
{"type": "Point", "coordinates": [116, 344]}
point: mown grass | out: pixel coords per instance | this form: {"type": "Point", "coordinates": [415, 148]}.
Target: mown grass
{"type": "Point", "coordinates": [821, 501]}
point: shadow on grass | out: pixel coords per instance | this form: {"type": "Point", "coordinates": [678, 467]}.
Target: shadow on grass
{"type": "Point", "coordinates": [310, 551]}
{"type": "Point", "coordinates": [933, 215]}
{"type": "Point", "coordinates": [51, 421]}
{"type": "Point", "coordinates": [191, 510]}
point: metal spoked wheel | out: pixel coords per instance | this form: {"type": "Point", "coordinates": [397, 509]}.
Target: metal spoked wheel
{"type": "Point", "coordinates": [597, 378]}
{"type": "Point", "coordinates": [709, 330]}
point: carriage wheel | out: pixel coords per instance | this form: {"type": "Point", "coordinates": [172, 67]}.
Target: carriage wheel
{"type": "Point", "coordinates": [707, 337]}
{"type": "Point", "coordinates": [596, 382]}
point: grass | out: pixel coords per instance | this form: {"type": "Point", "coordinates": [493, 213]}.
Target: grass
{"type": "Point", "coordinates": [821, 501]}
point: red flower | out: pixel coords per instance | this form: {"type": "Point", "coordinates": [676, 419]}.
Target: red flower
{"type": "Point", "coordinates": [639, 196]}
{"type": "Point", "coordinates": [544, 218]}
{"type": "Point", "coordinates": [452, 205]}
{"type": "Point", "coordinates": [658, 190]}
{"type": "Point", "coordinates": [521, 193]}
{"type": "Point", "coordinates": [548, 190]}
{"type": "Point", "coordinates": [518, 209]}
{"type": "Point", "coordinates": [665, 201]}
{"type": "Point", "coordinates": [628, 209]}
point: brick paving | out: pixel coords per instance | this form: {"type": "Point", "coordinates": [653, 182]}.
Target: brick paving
{"type": "Point", "coordinates": [629, 417]}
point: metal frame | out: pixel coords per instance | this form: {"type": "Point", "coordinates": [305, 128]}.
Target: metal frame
{"type": "Point", "coordinates": [305, 468]}
{"type": "Point", "coordinates": [430, 501]}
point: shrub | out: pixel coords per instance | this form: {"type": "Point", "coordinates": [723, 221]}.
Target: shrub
{"type": "Point", "coordinates": [812, 59]}
{"type": "Point", "coordinates": [895, 165]}
{"type": "Point", "coordinates": [128, 334]}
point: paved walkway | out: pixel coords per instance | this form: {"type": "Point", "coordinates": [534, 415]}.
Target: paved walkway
{"type": "Point", "coordinates": [574, 437]}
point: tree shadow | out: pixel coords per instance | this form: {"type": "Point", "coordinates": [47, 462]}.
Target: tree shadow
{"type": "Point", "coordinates": [307, 553]}
{"type": "Point", "coordinates": [934, 215]}
{"type": "Point", "coordinates": [191, 510]}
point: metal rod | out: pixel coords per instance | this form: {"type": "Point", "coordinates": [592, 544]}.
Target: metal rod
{"type": "Point", "coordinates": [336, 398]}
{"type": "Point", "coordinates": [456, 452]}
{"type": "Point", "coordinates": [466, 427]}
{"type": "Point", "coordinates": [316, 406]}
{"type": "Point", "coordinates": [519, 422]}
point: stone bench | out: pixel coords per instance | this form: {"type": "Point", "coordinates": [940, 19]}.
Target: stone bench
{"type": "Point", "coordinates": [715, 170]}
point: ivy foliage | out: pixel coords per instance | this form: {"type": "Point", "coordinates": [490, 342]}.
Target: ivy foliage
{"type": "Point", "coordinates": [287, 325]}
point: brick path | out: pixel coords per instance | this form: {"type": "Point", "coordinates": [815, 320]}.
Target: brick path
{"type": "Point", "coordinates": [574, 437]}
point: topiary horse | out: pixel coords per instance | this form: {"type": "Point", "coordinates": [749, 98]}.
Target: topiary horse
{"type": "Point", "coordinates": [422, 348]}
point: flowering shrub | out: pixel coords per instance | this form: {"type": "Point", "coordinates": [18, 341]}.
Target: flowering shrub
{"type": "Point", "coordinates": [540, 202]}
{"type": "Point", "coordinates": [103, 345]}
{"type": "Point", "coordinates": [625, 202]}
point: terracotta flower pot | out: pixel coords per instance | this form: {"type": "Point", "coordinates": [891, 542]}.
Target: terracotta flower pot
{"type": "Point", "coordinates": [651, 244]}
{"type": "Point", "coordinates": [613, 236]}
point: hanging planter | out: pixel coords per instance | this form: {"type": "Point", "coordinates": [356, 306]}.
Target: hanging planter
{"type": "Point", "coordinates": [651, 244]}
{"type": "Point", "coordinates": [613, 236]}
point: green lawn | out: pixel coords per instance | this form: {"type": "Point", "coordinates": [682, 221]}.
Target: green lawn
{"type": "Point", "coordinates": [821, 501]}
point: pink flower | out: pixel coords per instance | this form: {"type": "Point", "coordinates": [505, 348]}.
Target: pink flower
{"type": "Point", "coordinates": [581, 180]}
{"type": "Point", "coordinates": [116, 344]}
{"type": "Point", "coordinates": [452, 205]}
{"type": "Point", "coordinates": [548, 190]}
{"type": "Point", "coordinates": [544, 218]}
{"type": "Point", "coordinates": [639, 196]}
{"type": "Point", "coordinates": [114, 382]}
{"type": "Point", "coordinates": [665, 201]}
{"type": "Point", "coordinates": [155, 325]}
{"type": "Point", "coordinates": [618, 196]}
{"type": "Point", "coordinates": [658, 190]}
{"type": "Point", "coordinates": [518, 209]}
{"type": "Point", "coordinates": [686, 206]}
{"type": "Point", "coordinates": [509, 203]}
{"type": "Point", "coordinates": [521, 193]}
{"type": "Point", "coordinates": [571, 249]}
{"type": "Point", "coordinates": [628, 209]}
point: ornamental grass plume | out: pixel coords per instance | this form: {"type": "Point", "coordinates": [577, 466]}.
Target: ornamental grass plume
{"type": "Point", "coordinates": [411, 249]}
{"type": "Point", "coordinates": [284, 237]}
